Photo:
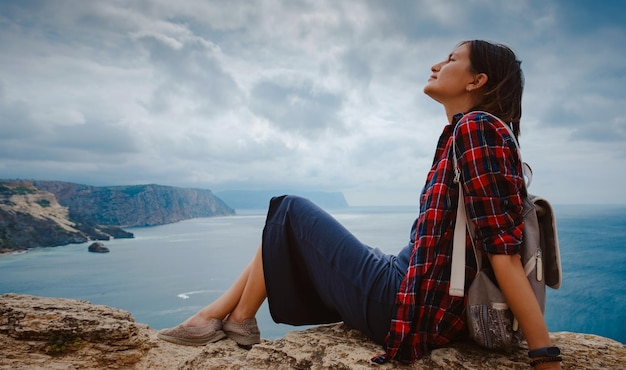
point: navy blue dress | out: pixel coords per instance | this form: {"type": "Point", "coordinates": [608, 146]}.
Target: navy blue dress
{"type": "Point", "coordinates": [317, 272]}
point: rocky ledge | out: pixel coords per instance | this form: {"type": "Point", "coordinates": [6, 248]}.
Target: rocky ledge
{"type": "Point", "coordinates": [56, 333]}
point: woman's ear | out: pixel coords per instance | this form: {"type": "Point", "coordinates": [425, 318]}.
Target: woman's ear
{"type": "Point", "coordinates": [480, 80]}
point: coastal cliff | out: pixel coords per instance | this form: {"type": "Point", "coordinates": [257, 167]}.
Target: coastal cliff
{"type": "Point", "coordinates": [57, 333]}
{"type": "Point", "coordinates": [52, 213]}
{"type": "Point", "coordinates": [135, 205]}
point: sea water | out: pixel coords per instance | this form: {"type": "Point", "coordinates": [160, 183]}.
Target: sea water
{"type": "Point", "coordinates": [167, 273]}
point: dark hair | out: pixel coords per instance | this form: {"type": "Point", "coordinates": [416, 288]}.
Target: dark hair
{"type": "Point", "coordinates": [502, 94]}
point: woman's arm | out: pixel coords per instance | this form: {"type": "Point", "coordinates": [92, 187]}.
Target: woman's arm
{"type": "Point", "coordinates": [522, 301]}
{"type": "Point", "coordinates": [493, 181]}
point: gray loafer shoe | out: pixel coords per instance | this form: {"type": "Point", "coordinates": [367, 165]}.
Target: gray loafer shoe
{"type": "Point", "coordinates": [194, 336]}
{"type": "Point", "coordinates": [245, 333]}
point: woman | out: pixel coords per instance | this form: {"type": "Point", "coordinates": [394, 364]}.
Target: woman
{"type": "Point", "coordinates": [314, 271]}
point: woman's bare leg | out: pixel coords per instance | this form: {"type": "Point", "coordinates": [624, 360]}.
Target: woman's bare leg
{"type": "Point", "coordinates": [241, 301]}
{"type": "Point", "coordinates": [253, 293]}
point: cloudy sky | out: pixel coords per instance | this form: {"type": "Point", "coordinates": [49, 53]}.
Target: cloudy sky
{"type": "Point", "coordinates": [298, 95]}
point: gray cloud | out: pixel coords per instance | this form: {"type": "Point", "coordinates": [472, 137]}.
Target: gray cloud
{"type": "Point", "coordinates": [25, 137]}
{"type": "Point", "coordinates": [188, 71]}
{"type": "Point", "coordinates": [16, 122]}
{"type": "Point", "coordinates": [308, 94]}
{"type": "Point", "coordinates": [297, 106]}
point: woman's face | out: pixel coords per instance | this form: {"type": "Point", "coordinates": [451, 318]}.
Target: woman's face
{"type": "Point", "coordinates": [451, 79]}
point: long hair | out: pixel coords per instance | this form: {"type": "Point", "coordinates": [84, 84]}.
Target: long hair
{"type": "Point", "coordinates": [502, 94]}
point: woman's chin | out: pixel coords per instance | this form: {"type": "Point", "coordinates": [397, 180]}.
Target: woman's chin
{"type": "Point", "coordinates": [428, 90]}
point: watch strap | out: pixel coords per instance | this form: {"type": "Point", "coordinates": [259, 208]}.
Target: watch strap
{"type": "Point", "coordinates": [544, 352]}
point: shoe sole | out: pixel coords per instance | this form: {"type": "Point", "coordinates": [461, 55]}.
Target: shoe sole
{"type": "Point", "coordinates": [244, 341]}
{"type": "Point", "coordinates": [218, 335]}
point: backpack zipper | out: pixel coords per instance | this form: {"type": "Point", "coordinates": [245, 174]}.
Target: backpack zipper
{"type": "Point", "coordinates": [539, 265]}
{"type": "Point", "coordinates": [535, 262]}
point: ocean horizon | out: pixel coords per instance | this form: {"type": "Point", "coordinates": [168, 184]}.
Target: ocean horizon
{"type": "Point", "coordinates": [168, 272]}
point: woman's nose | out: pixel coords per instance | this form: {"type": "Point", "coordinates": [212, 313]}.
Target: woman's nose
{"type": "Point", "coordinates": [436, 67]}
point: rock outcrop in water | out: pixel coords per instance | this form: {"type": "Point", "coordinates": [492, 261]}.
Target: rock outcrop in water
{"type": "Point", "coordinates": [56, 333]}
{"type": "Point", "coordinates": [98, 247]}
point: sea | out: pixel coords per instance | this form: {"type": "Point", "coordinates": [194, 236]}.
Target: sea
{"type": "Point", "coordinates": [167, 273]}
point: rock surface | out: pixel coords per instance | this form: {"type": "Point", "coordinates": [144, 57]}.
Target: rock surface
{"type": "Point", "coordinates": [57, 333]}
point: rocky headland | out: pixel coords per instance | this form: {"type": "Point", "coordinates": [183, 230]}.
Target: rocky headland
{"type": "Point", "coordinates": [57, 333]}
{"type": "Point", "coordinates": [52, 213]}
{"type": "Point", "coordinates": [135, 205]}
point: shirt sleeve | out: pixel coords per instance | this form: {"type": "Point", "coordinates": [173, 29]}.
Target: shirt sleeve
{"type": "Point", "coordinates": [492, 180]}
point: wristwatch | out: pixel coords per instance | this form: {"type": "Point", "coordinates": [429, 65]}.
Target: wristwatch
{"type": "Point", "coordinates": [544, 352]}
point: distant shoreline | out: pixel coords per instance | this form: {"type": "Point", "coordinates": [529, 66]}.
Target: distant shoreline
{"type": "Point", "coordinates": [9, 252]}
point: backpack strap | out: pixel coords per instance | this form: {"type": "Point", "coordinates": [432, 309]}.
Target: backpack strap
{"type": "Point", "coordinates": [457, 275]}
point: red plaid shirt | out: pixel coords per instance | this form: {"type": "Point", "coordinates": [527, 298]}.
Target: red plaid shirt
{"type": "Point", "coordinates": [426, 316]}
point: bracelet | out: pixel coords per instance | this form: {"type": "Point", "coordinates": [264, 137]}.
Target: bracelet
{"type": "Point", "coordinates": [546, 359]}
{"type": "Point", "coordinates": [544, 352]}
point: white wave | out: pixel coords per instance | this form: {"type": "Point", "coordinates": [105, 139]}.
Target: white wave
{"type": "Point", "coordinates": [186, 295]}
